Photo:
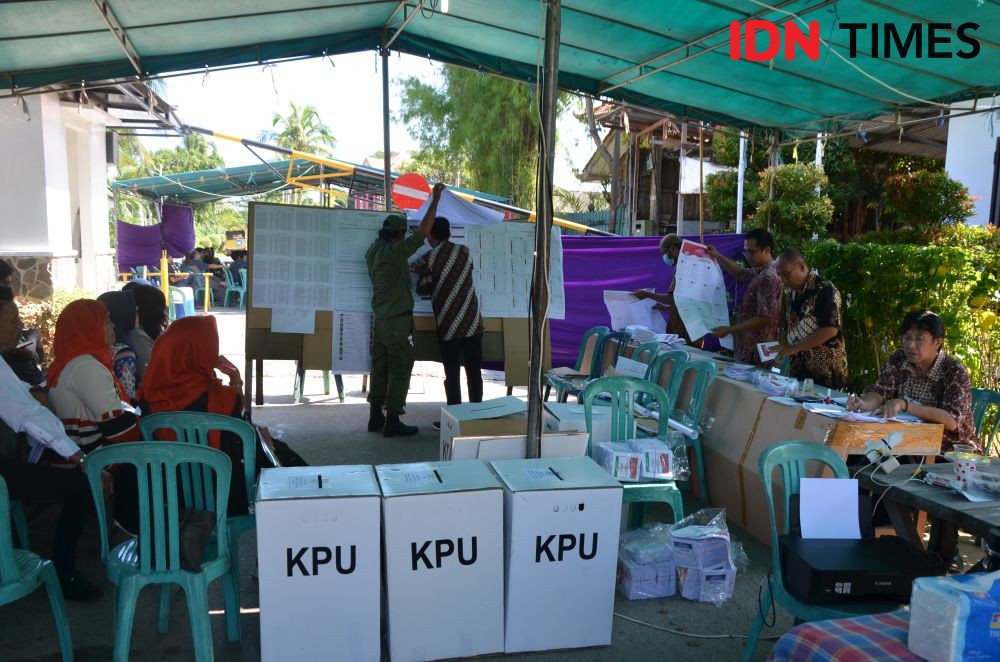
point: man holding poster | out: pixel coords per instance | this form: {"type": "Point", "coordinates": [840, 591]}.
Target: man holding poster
{"type": "Point", "coordinates": [700, 292]}
{"type": "Point", "coordinates": [670, 248]}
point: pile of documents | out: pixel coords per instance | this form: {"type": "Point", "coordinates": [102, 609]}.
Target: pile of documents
{"type": "Point", "coordinates": [645, 564]}
{"type": "Point", "coordinates": [702, 555]}
{"type": "Point", "coordinates": [619, 460]}
{"type": "Point", "coordinates": [645, 459]}
{"type": "Point", "coordinates": [641, 334]}
{"type": "Point", "coordinates": [740, 371]}
{"type": "Point", "coordinates": [772, 384]}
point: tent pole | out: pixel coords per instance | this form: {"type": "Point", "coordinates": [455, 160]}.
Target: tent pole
{"type": "Point", "coordinates": [543, 226]}
{"type": "Point", "coordinates": [701, 185]}
{"type": "Point", "coordinates": [741, 181]}
{"type": "Point", "coordinates": [386, 165]}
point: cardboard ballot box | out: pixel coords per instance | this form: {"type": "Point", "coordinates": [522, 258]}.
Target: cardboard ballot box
{"type": "Point", "coordinates": [499, 416]}
{"type": "Point", "coordinates": [561, 519]}
{"type": "Point", "coordinates": [563, 416]}
{"type": "Point", "coordinates": [319, 562]}
{"type": "Point", "coordinates": [443, 536]}
{"type": "Point", "coordinates": [514, 447]}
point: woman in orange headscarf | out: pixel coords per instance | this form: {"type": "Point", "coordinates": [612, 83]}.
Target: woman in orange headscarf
{"type": "Point", "coordinates": [89, 399]}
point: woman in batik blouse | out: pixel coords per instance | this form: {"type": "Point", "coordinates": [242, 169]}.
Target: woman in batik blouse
{"type": "Point", "coordinates": [923, 380]}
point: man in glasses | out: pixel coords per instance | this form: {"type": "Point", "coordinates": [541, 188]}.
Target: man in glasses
{"type": "Point", "coordinates": [760, 308]}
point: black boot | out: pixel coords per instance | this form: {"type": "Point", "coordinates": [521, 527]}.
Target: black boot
{"type": "Point", "coordinates": [397, 428]}
{"type": "Point", "coordinates": [376, 419]}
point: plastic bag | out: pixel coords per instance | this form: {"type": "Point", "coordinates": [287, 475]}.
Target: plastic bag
{"type": "Point", "coordinates": [662, 460]}
{"type": "Point", "coordinates": [703, 556]}
{"type": "Point", "coordinates": [645, 566]}
{"type": "Point", "coordinates": [618, 460]}
{"type": "Point", "coordinates": [652, 545]}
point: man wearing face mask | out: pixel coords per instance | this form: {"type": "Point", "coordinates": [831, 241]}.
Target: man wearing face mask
{"type": "Point", "coordinates": [670, 248]}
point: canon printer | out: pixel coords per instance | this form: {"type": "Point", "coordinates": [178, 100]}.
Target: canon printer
{"type": "Point", "coordinates": [822, 571]}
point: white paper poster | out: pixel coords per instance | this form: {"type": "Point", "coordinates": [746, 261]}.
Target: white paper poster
{"type": "Point", "coordinates": [287, 319]}
{"type": "Point", "coordinates": [352, 343]}
{"type": "Point", "coordinates": [625, 310]}
{"type": "Point", "coordinates": [700, 292]}
{"type": "Point", "coordinates": [828, 508]}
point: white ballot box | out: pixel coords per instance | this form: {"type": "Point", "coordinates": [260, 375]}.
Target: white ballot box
{"type": "Point", "coordinates": [499, 416]}
{"type": "Point", "coordinates": [319, 562]}
{"type": "Point", "coordinates": [563, 416]}
{"type": "Point", "coordinates": [561, 519]}
{"type": "Point", "coordinates": [443, 535]}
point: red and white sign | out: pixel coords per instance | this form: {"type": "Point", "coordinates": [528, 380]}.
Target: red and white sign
{"type": "Point", "coordinates": [410, 190]}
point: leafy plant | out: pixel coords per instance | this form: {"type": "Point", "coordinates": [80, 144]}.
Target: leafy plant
{"type": "Point", "coordinates": [796, 212]}
{"type": "Point", "coordinates": [927, 200]}
{"type": "Point", "coordinates": [957, 275]}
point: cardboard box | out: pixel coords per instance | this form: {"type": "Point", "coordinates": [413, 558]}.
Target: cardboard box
{"type": "Point", "coordinates": [561, 519]}
{"type": "Point", "coordinates": [319, 561]}
{"type": "Point", "coordinates": [499, 416]}
{"type": "Point", "coordinates": [443, 541]}
{"type": "Point", "coordinates": [565, 416]}
{"type": "Point", "coordinates": [514, 447]}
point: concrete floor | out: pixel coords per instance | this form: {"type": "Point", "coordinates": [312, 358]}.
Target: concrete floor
{"type": "Point", "coordinates": [326, 431]}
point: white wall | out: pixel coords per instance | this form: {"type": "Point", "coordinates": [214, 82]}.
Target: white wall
{"type": "Point", "coordinates": [972, 143]}
{"type": "Point", "coordinates": [23, 220]}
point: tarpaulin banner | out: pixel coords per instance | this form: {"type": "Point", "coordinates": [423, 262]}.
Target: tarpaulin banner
{"type": "Point", "coordinates": [138, 245]}
{"type": "Point", "coordinates": [594, 264]}
{"type": "Point", "coordinates": [178, 230]}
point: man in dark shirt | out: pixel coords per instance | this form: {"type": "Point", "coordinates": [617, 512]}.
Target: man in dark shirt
{"type": "Point", "coordinates": [446, 275]}
{"type": "Point", "coordinates": [392, 303]}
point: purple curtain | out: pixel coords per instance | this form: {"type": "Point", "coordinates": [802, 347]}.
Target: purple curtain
{"type": "Point", "coordinates": [138, 245]}
{"type": "Point", "coordinates": [178, 229]}
{"type": "Point", "coordinates": [594, 264]}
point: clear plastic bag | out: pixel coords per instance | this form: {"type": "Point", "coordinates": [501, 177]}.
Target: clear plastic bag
{"type": "Point", "coordinates": [645, 565]}
{"type": "Point", "coordinates": [618, 460]}
{"type": "Point", "coordinates": [648, 545]}
{"type": "Point", "coordinates": [662, 460]}
{"type": "Point", "coordinates": [703, 556]}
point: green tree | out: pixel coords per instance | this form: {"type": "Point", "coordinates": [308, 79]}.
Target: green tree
{"type": "Point", "coordinates": [796, 212]}
{"type": "Point", "coordinates": [475, 130]}
{"type": "Point", "coordinates": [301, 130]}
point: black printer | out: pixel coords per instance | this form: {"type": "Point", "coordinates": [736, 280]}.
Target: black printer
{"type": "Point", "coordinates": [823, 571]}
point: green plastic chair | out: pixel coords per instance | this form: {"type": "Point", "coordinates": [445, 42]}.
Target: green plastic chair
{"type": "Point", "coordinates": [170, 475]}
{"type": "Point", "coordinates": [791, 457]}
{"type": "Point", "coordinates": [233, 288]}
{"type": "Point", "coordinates": [192, 427]}
{"type": "Point", "coordinates": [984, 399]}
{"type": "Point", "coordinates": [593, 335]}
{"type": "Point", "coordinates": [679, 358]}
{"type": "Point", "coordinates": [21, 572]}
{"type": "Point", "coordinates": [624, 391]}
{"type": "Point", "coordinates": [704, 373]}
{"type": "Point", "coordinates": [646, 353]}
{"type": "Point", "coordinates": [200, 284]}
{"type": "Point", "coordinates": [19, 519]}
{"type": "Point", "coordinates": [603, 356]}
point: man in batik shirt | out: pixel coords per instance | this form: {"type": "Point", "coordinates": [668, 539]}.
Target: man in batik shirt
{"type": "Point", "coordinates": [810, 328]}
{"type": "Point", "coordinates": [757, 316]}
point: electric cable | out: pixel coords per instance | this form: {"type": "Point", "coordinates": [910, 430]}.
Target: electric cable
{"type": "Point", "coordinates": [694, 635]}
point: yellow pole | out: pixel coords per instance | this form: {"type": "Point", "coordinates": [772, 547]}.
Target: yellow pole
{"type": "Point", "coordinates": [164, 277]}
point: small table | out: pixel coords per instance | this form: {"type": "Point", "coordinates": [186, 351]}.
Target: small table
{"type": "Point", "coordinates": [877, 637]}
{"type": "Point", "coordinates": [946, 509]}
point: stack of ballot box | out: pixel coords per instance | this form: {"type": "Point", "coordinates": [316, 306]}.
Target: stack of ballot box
{"type": "Point", "coordinates": [702, 554]}
{"type": "Point", "coordinates": [444, 559]}
{"type": "Point", "coordinates": [319, 563]}
{"type": "Point", "coordinates": [646, 566]}
{"type": "Point", "coordinates": [561, 519]}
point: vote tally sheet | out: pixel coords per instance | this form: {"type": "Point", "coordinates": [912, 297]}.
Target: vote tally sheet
{"type": "Point", "coordinates": [700, 292]}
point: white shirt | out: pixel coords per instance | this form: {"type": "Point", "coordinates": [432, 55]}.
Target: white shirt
{"type": "Point", "coordinates": [20, 411]}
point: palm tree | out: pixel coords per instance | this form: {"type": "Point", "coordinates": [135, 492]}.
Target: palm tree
{"type": "Point", "coordinates": [301, 130]}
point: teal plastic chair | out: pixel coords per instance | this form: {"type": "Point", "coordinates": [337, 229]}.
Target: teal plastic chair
{"type": "Point", "coordinates": [591, 339]}
{"type": "Point", "coordinates": [646, 353]}
{"type": "Point", "coordinates": [678, 358]}
{"type": "Point", "coordinates": [200, 285]}
{"type": "Point", "coordinates": [624, 391]}
{"type": "Point", "coordinates": [704, 374]}
{"type": "Point", "coordinates": [192, 427]}
{"type": "Point", "coordinates": [791, 457]}
{"type": "Point", "coordinates": [21, 572]}
{"type": "Point", "coordinates": [19, 519]}
{"type": "Point", "coordinates": [984, 399]}
{"type": "Point", "coordinates": [233, 288]}
{"type": "Point", "coordinates": [169, 476]}
{"type": "Point", "coordinates": [605, 357]}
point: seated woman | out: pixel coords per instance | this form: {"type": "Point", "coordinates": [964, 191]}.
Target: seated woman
{"type": "Point", "coordinates": [152, 312]}
{"type": "Point", "coordinates": [181, 377]}
{"type": "Point", "coordinates": [87, 396]}
{"type": "Point", "coordinates": [924, 381]}
{"type": "Point", "coordinates": [122, 312]}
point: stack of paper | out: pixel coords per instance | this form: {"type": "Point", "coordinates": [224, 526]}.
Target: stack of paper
{"type": "Point", "coordinates": [618, 460]}
{"type": "Point", "coordinates": [704, 564]}
{"type": "Point", "coordinates": [708, 585]}
{"type": "Point", "coordinates": [641, 334]}
{"type": "Point", "coordinates": [645, 581]}
{"type": "Point", "coordinates": [670, 339]}
{"type": "Point", "coordinates": [740, 371]}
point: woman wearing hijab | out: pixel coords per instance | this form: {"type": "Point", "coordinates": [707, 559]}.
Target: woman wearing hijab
{"type": "Point", "coordinates": [122, 312]}
{"type": "Point", "coordinates": [89, 399]}
{"type": "Point", "coordinates": [152, 309]}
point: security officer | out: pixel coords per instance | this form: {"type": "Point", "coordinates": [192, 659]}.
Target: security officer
{"type": "Point", "coordinates": [392, 303]}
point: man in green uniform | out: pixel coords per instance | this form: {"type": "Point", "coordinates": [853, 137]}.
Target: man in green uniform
{"type": "Point", "coordinates": [392, 303]}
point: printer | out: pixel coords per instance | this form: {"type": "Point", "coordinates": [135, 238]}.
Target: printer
{"type": "Point", "coordinates": [823, 571]}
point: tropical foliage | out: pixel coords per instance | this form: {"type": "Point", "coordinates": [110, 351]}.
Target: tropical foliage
{"type": "Point", "coordinates": [301, 130]}
{"type": "Point", "coordinates": [796, 212]}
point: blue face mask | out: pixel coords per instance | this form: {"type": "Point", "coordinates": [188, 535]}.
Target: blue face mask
{"type": "Point", "coordinates": [667, 261]}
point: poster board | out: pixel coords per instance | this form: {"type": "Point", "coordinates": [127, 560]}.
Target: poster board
{"type": "Point", "coordinates": [306, 259]}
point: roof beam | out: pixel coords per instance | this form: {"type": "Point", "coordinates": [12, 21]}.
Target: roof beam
{"type": "Point", "coordinates": [121, 38]}
{"type": "Point", "coordinates": [386, 43]}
